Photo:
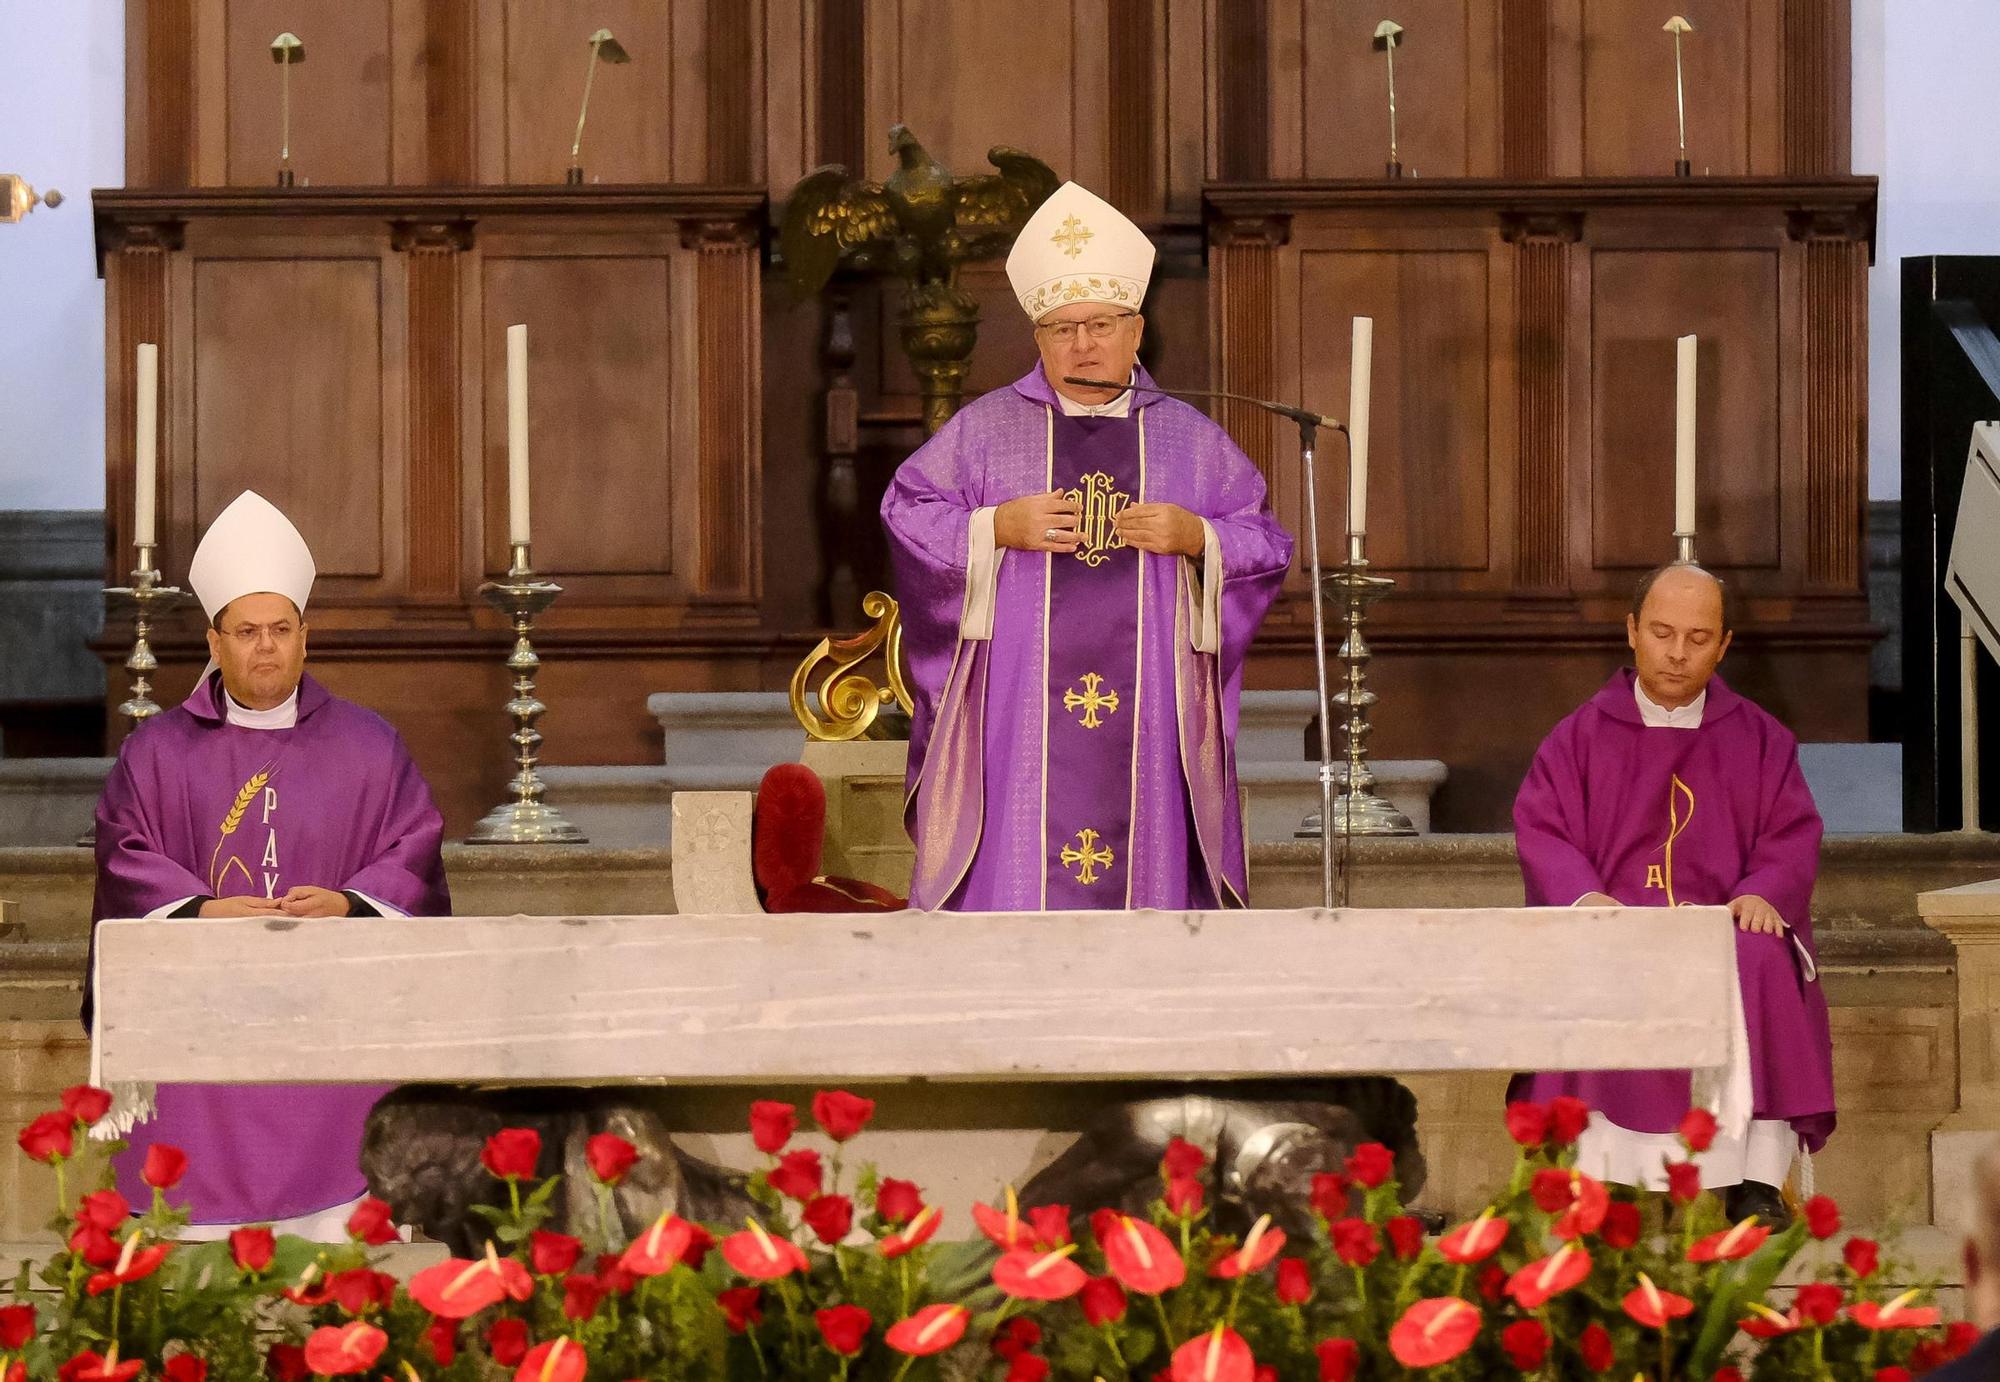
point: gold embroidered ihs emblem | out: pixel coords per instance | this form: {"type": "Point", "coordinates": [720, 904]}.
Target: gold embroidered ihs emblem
{"type": "Point", "coordinates": [1661, 875]}
{"type": "Point", "coordinates": [1072, 237]}
{"type": "Point", "coordinates": [1098, 506]}
{"type": "Point", "coordinates": [1090, 700]}
{"type": "Point", "coordinates": [1087, 852]}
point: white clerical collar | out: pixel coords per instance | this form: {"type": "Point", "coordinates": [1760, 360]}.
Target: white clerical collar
{"type": "Point", "coordinates": [283, 715]}
{"type": "Point", "coordinates": [1120, 406]}
{"type": "Point", "coordinates": [1656, 716]}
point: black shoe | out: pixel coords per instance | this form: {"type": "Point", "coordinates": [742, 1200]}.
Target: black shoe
{"type": "Point", "coordinates": [1739, 1202]}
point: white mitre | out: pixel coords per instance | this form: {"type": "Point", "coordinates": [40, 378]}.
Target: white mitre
{"type": "Point", "coordinates": [1079, 248]}
{"type": "Point", "coordinates": [251, 548]}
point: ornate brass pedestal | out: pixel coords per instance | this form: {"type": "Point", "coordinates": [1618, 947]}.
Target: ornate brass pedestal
{"type": "Point", "coordinates": [940, 326]}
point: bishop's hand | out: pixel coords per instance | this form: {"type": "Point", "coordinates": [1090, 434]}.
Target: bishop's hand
{"type": "Point", "coordinates": [1165, 528]}
{"type": "Point", "coordinates": [1037, 523]}
{"type": "Point", "coordinates": [308, 901]}
{"type": "Point", "coordinates": [242, 907]}
{"type": "Point", "coordinates": [1754, 914]}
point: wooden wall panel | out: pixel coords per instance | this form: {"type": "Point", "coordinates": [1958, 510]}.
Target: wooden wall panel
{"type": "Point", "coordinates": [341, 95]}
{"type": "Point", "coordinates": [1640, 301]}
{"type": "Point", "coordinates": [1731, 64]}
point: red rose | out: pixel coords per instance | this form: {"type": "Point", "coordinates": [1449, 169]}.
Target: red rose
{"type": "Point", "coordinates": [610, 1157]}
{"type": "Point", "coordinates": [613, 1277]}
{"type": "Point", "coordinates": [757, 1254]}
{"type": "Point", "coordinates": [1927, 1357]}
{"type": "Point", "coordinates": [562, 1360]}
{"type": "Point", "coordinates": [86, 1103]}
{"type": "Point", "coordinates": [1683, 1181]}
{"type": "Point", "coordinates": [1888, 1374]}
{"type": "Point", "coordinates": [1434, 1331]}
{"type": "Point", "coordinates": [1526, 1343]}
{"type": "Point", "coordinates": [372, 1222]}
{"type": "Point", "coordinates": [507, 1341]}
{"type": "Point", "coordinates": [841, 1115]}
{"type": "Point", "coordinates": [772, 1125]}
{"type": "Point", "coordinates": [287, 1363]}
{"type": "Point", "coordinates": [1727, 1373]}
{"type": "Point", "coordinates": [830, 1217]}
{"type": "Point", "coordinates": [1294, 1285]}
{"type": "Point", "coordinates": [700, 1240]}
{"type": "Point", "coordinates": [1567, 1119]}
{"type": "Point", "coordinates": [1338, 1359]}
{"type": "Point", "coordinates": [1959, 1337]}
{"type": "Point", "coordinates": [553, 1253]}
{"type": "Point", "coordinates": [1355, 1241]}
{"type": "Point", "coordinates": [844, 1327]}
{"type": "Point", "coordinates": [581, 1293]}
{"type": "Point", "coordinates": [1822, 1217]}
{"type": "Point", "coordinates": [512, 1153]}
{"type": "Point", "coordinates": [1492, 1283]}
{"type": "Point", "coordinates": [898, 1201]}
{"type": "Point", "coordinates": [1552, 1190]}
{"type": "Point", "coordinates": [185, 1367]}
{"type": "Point", "coordinates": [1051, 1224]}
{"type": "Point", "coordinates": [359, 1288]}
{"type": "Point", "coordinates": [1698, 1129]}
{"type": "Point", "coordinates": [1103, 1301]}
{"type": "Point", "coordinates": [1142, 1257]}
{"type": "Point", "coordinates": [1819, 1302]}
{"type": "Point", "coordinates": [1027, 1367]}
{"type": "Point", "coordinates": [334, 1349]}
{"type": "Point", "coordinates": [1015, 1338]}
{"type": "Point", "coordinates": [251, 1248]}
{"type": "Point", "coordinates": [1330, 1195]}
{"type": "Point", "coordinates": [742, 1307]}
{"type": "Point", "coordinates": [17, 1326]}
{"type": "Point", "coordinates": [797, 1175]}
{"type": "Point", "coordinates": [1406, 1236]}
{"type": "Point", "coordinates": [105, 1209]}
{"type": "Point", "coordinates": [1184, 1197]}
{"type": "Point", "coordinates": [94, 1245]}
{"type": "Point", "coordinates": [1371, 1164]}
{"type": "Point", "coordinates": [47, 1138]}
{"type": "Point", "coordinates": [1595, 1345]}
{"type": "Point", "coordinates": [1220, 1355]}
{"type": "Point", "coordinates": [1622, 1226]}
{"type": "Point", "coordinates": [1862, 1256]}
{"type": "Point", "coordinates": [1183, 1158]}
{"type": "Point", "coordinates": [165, 1165]}
{"type": "Point", "coordinates": [1528, 1123]}
{"type": "Point", "coordinates": [915, 1234]}
{"type": "Point", "coordinates": [932, 1329]}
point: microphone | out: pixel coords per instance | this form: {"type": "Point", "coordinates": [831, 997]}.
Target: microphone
{"type": "Point", "coordinates": [1303, 417]}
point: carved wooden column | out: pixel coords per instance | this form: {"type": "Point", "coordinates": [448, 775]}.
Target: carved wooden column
{"type": "Point", "coordinates": [1524, 88]}
{"type": "Point", "coordinates": [1134, 184]}
{"type": "Point", "coordinates": [160, 129]}
{"type": "Point", "coordinates": [1541, 510]}
{"type": "Point", "coordinates": [431, 504]}
{"type": "Point", "coordinates": [450, 39]}
{"type": "Point", "coordinates": [840, 439]}
{"type": "Point", "coordinates": [135, 300]}
{"type": "Point", "coordinates": [1817, 61]}
{"type": "Point", "coordinates": [1243, 274]}
{"type": "Point", "coordinates": [1835, 345]}
{"type": "Point", "coordinates": [729, 353]}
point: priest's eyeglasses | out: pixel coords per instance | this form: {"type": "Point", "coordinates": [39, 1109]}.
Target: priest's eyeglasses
{"type": "Point", "coordinates": [250, 635]}
{"type": "Point", "coordinates": [1097, 328]}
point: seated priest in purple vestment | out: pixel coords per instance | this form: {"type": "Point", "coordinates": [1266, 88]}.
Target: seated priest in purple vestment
{"type": "Point", "coordinates": [261, 795]}
{"type": "Point", "coordinates": [1081, 571]}
{"type": "Point", "coordinates": [1668, 789]}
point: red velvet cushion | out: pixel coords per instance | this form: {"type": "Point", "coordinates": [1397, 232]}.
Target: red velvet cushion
{"type": "Point", "coordinates": [788, 828]}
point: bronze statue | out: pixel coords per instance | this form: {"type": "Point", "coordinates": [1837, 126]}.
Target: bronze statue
{"type": "Point", "coordinates": [921, 223]}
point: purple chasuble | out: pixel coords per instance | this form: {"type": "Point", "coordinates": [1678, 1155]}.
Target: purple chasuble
{"type": "Point", "coordinates": [1014, 795]}
{"type": "Point", "coordinates": [1660, 817]}
{"type": "Point", "coordinates": [196, 806]}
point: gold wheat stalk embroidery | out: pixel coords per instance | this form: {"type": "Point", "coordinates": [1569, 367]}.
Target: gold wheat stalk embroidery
{"type": "Point", "coordinates": [244, 796]}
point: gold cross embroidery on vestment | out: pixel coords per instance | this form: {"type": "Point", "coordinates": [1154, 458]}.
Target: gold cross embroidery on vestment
{"type": "Point", "coordinates": [1089, 853]}
{"type": "Point", "coordinates": [1091, 700]}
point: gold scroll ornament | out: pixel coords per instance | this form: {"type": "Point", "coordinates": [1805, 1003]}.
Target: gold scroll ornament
{"type": "Point", "coordinates": [849, 701]}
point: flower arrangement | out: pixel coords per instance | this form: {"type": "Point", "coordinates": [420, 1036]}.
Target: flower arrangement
{"type": "Point", "coordinates": [842, 1277]}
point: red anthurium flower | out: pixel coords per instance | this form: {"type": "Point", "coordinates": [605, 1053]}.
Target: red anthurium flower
{"type": "Point", "coordinates": [1476, 1241]}
{"type": "Point", "coordinates": [1731, 1244]}
{"type": "Point", "coordinates": [1862, 1256]}
{"type": "Point", "coordinates": [335, 1349]}
{"type": "Point", "coordinates": [456, 1289]}
{"type": "Point", "coordinates": [1051, 1223]}
{"type": "Point", "coordinates": [844, 1327]}
{"type": "Point", "coordinates": [1339, 1359]}
{"type": "Point", "coordinates": [1897, 1314]}
{"type": "Point", "coordinates": [581, 1293]}
{"type": "Point", "coordinates": [830, 1217]}
{"type": "Point", "coordinates": [610, 1157]}
{"type": "Point", "coordinates": [1526, 1343]}
{"type": "Point", "coordinates": [165, 1165]}
{"type": "Point", "coordinates": [1217, 1356]}
{"type": "Point", "coordinates": [918, 1232]}
{"type": "Point", "coordinates": [303, 1292]}
{"type": "Point", "coordinates": [772, 1124]}
{"type": "Point", "coordinates": [372, 1222]}
{"type": "Point", "coordinates": [17, 1326]}
{"type": "Point", "coordinates": [841, 1115]}
{"type": "Point", "coordinates": [1406, 1236]}
{"type": "Point", "coordinates": [1595, 1345]}
{"type": "Point", "coordinates": [105, 1209]}
{"type": "Point", "coordinates": [1103, 1301]}
{"type": "Point", "coordinates": [898, 1201]}
{"type": "Point", "coordinates": [1183, 1158]}
{"type": "Point", "coordinates": [1818, 1302]}
{"type": "Point", "coordinates": [1183, 1197]}
{"type": "Point", "coordinates": [742, 1307]}
{"type": "Point", "coordinates": [758, 1255]}
{"type": "Point", "coordinates": [185, 1367]}
{"type": "Point", "coordinates": [1260, 1245]}
{"type": "Point", "coordinates": [1697, 1129]}
{"type": "Point", "coordinates": [1355, 1241]}
{"type": "Point", "coordinates": [932, 1329]}
{"type": "Point", "coordinates": [1533, 1285]}
{"type": "Point", "coordinates": [1027, 1274]}
{"type": "Point", "coordinates": [1588, 1205]}
{"type": "Point", "coordinates": [1330, 1195]}
{"type": "Point", "coordinates": [1294, 1285]}
{"type": "Point", "coordinates": [1568, 1118]}
{"type": "Point", "coordinates": [1552, 1189]}
{"type": "Point", "coordinates": [251, 1248]}
{"type": "Point", "coordinates": [134, 1263]}
{"type": "Point", "coordinates": [1528, 1122]}
{"type": "Point", "coordinates": [512, 1153]}
{"type": "Point", "coordinates": [88, 1366]}
{"type": "Point", "coordinates": [86, 1103]}
{"type": "Point", "coordinates": [1621, 1227]}
{"type": "Point", "coordinates": [507, 1341]}
{"type": "Point", "coordinates": [1434, 1331]}
{"type": "Point", "coordinates": [1683, 1181]}
{"type": "Point", "coordinates": [1006, 1231]}
{"type": "Point", "coordinates": [1822, 1217]}
{"type": "Point", "coordinates": [1142, 1257]}
{"type": "Point", "coordinates": [560, 1360]}
{"type": "Point", "coordinates": [49, 1137]}
{"type": "Point", "coordinates": [798, 1175]}
{"type": "Point", "coordinates": [1652, 1307]}
{"type": "Point", "coordinates": [1766, 1323]}
{"type": "Point", "coordinates": [1371, 1165]}
{"type": "Point", "coordinates": [659, 1249]}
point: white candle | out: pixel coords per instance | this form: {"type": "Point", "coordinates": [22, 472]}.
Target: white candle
{"type": "Point", "coordinates": [146, 449]}
{"type": "Point", "coordinates": [517, 434]}
{"type": "Point", "coordinates": [1684, 419]}
{"type": "Point", "coordinates": [1360, 367]}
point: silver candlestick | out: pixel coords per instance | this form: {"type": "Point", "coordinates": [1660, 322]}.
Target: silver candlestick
{"type": "Point", "coordinates": [527, 819]}
{"type": "Point", "coordinates": [148, 599]}
{"type": "Point", "coordinates": [1684, 548]}
{"type": "Point", "coordinates": [1358, 811]}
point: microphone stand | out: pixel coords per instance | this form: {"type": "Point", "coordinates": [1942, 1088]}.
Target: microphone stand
{"type": "Point", "coordinates": [1308, 424]}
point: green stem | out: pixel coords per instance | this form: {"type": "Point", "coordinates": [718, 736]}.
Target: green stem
{"type": "Point", "coordinates": [603, 1196]}
{"type": "Point", "coordinates": [1361, 1287]}
{"type": "Point", "coordinates": [903, 1267]}
{"type": "Point", "coordinates": [1165, 1328]}
{"type": "Point", "coordinates": [514, 1195]}
{"type": "Point", "coordinates": [756, 1349]}
{"type": "Point", "coordinates": [62, 1184]}
{"type": "Point", "coordinates": [1111, 1338]}
{"type": "Point", "coordinates": [1235, 1290]}
{"type": "Point", "coordinates": [117, 1298]}
{"type": "Point", "coordinates": [909, 1361]}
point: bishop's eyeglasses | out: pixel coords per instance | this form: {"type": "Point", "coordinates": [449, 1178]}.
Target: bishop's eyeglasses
{"type": "Point", "coordinates": [1097, 328]}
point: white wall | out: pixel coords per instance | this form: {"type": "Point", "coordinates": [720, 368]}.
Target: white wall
{"type": "Point", "coordinates": [1925, 122]}
{"type": "Point", "coordinates": [62, 125]}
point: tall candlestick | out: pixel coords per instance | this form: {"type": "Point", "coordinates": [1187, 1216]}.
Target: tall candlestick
{"type": "Point", "coordinates": [1360, 368]}
{"type": "Point", "coordinates": [1684, 424]}
{"type": "Point", "coordinates": [146, 449]}
{"type": "Point", "coordinates": [517, 435]}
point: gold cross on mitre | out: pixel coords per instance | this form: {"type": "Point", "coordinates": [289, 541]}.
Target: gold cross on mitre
{"type": "Point", "coordinates": [1090, 700]}
{"type": "Point", "coordinates": [1071, 237]}
{"type": "Point", "coordinates": [1087, 852]}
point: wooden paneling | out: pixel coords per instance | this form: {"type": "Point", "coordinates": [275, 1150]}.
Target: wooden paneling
{"type": "Point", "coordinates": [341, 94]}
